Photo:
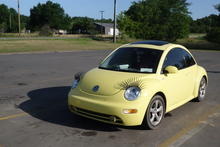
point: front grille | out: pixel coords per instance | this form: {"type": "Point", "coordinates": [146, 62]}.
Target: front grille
{"type": "Point", "coordinates": [96, 115]}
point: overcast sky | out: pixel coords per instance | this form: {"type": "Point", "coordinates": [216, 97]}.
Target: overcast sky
{"type": "Point", "coordinates": [92, 8]}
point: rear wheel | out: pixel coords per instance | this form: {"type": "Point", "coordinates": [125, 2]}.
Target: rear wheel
{"type": "Point", "coordinates": [155, 113]}
{"type": "Point", "coordinates": [202, 90]}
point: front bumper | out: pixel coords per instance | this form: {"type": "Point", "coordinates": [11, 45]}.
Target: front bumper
{"type": "Point", "coordinates": [108, 109]}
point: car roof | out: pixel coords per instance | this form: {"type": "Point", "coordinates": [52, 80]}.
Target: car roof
{"type": "Point", "coordinates": [153, 44]}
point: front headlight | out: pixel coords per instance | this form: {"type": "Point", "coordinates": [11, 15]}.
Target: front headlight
{"type": "Point", "coordinates": [132, 93]}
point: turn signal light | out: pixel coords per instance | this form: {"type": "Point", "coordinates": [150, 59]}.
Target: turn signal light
{"type": "Point", "coordinates": [130, 111]}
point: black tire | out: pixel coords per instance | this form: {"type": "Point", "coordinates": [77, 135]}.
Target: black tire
{"type": "Point", "coordinates": [202, 90]}
{"type": "Point", "coordinates": [155, 113]}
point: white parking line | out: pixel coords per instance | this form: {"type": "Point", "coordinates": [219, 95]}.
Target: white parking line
{"type": "Point", "coordinates": [192, 129]}
{"type": "Point", "coordinates": [187, 136]}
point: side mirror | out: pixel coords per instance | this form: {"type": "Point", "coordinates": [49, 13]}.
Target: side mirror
{"type": "Point", "coordinates": [171, 69]}
{"type": "Point", "coordinates": [78, 75]}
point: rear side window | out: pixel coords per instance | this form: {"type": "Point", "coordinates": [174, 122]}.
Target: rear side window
{"type": "Point", "coordinates": [189, 61]}
{"type": "Point", "coordinates": [179, 58]}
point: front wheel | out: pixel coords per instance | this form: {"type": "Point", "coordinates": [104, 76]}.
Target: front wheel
{"type": "Point", "coordinates": [155, 113]}
{"type": "Point", "coordinates": [202, 90]}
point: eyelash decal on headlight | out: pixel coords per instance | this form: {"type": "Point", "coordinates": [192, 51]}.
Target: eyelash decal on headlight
{"type": "Point", "coordinates": [135, 81]}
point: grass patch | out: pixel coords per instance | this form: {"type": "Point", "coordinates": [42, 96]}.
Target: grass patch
{"type": "Point", "coordinates": [8, 35]}
{"type": "Point", "coordinates": [12, 46]}
{"type": "Point", "coordinates": [198, 44]}
{"type": "Point", "coordinates": [70, 44]}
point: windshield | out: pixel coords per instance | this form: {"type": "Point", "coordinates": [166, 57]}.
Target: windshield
{"type": "Point", "coordinates": [142, 60]}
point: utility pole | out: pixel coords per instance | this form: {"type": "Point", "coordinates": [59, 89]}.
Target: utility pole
{"type": "Point", "coordinates": [102, 14]}
{"type": "Point", "coordinates": [19, 19]}
{"type": "Point", "coordinates": [10, 21]}
{"type": "Point", "coordinates": [114, 32]}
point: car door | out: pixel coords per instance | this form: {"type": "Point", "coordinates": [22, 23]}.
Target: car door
{"type": "Point", "coordinates": [189, 70]}
{"type": "Point", "coordinates": [177, 86]}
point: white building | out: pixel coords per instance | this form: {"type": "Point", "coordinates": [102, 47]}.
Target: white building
{"type": "Point", "coordinates": [106, 28]}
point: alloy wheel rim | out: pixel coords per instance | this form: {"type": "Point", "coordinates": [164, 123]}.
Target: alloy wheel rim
{"type": "Point", "coordinates": [156, 112]}
{"type": "Point", "coordinates": [202, 89]}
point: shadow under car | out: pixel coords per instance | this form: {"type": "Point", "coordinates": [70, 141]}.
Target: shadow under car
{"type": "Point", "coordinates": [50, 104]}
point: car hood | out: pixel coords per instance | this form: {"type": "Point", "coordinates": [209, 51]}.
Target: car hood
{"type": "Point", "coordinates": [106, 82]}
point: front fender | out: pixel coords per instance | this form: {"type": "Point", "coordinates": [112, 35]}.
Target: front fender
{"type": "Point", "coordinates": [201, 72]}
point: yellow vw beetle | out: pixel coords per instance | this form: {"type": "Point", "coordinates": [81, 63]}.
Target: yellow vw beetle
{"type": "Point", "coordinates": [138, 83]}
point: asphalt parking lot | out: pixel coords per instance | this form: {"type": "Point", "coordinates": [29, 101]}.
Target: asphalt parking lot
{"type": "Point", "coordinates": [33, 110]}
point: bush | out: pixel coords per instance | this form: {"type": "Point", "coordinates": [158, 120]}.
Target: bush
{"type": "Point", "coordinates": [214, 35]}
{"type": "Point", "coordinates": [46, 31]}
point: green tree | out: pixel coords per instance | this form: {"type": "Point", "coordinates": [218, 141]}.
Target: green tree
{"type": "Point", "coordinates": [104, 20]}
{"type": "Point", "coordinates": [9, 19]}
{"type": "Point", "coordinates": [4, 17]}
{"type": "Point", "coordinates": [83, 25]}
{"type": "Point", "coordinates": [214, 33]}
{"type": "Point", "coordinates": [203, 25]}
{"type": "Point", "coordinates": [49, 14]}
{"type": "Point", "coordinates": [217, 7]}
{"type": "Point", "coordinates": [13, 21]}
{"type": "Point", "coordinates": [156, 19]}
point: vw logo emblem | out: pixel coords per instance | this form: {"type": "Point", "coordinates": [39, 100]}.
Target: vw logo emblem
{"type": "Point", "coordinates": [95, 88]}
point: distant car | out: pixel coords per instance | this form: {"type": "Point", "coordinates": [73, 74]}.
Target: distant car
{"type": "Point", "coordinates": [138, 83]}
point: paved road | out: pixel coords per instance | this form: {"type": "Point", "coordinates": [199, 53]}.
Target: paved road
{"type": "Point", "coordinates": [33, 112]}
